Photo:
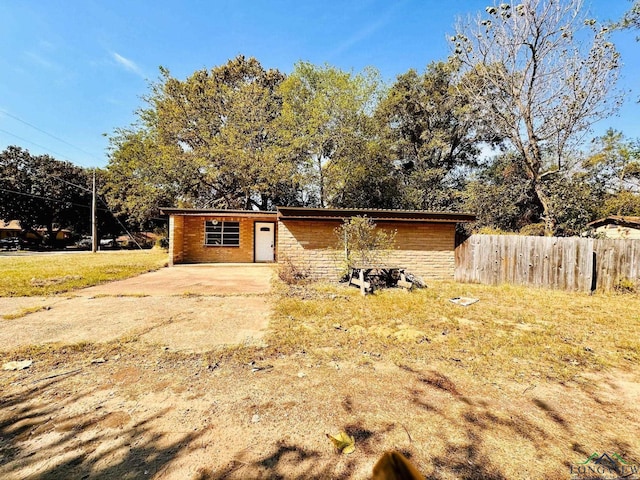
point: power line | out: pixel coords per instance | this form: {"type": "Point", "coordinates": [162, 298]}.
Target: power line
{"type": "Point", "coordinates": [73, 184]}
{"type": "Point", "coordinates": [4, 112]}
{"type": "Point", "coordinates": [37, 145]}
{"type": "Point", "coordinates": [50, 199]}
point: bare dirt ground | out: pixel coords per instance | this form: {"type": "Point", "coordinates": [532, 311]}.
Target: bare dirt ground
{"type": "Point", "coordinates": [151, 415]}
{"type": "Point", "coordinates": [137, 389]}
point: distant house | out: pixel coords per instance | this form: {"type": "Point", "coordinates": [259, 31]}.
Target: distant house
{"type": "Point", "coordinates": [10, 229]}
{"type": "Point", "coordinates": [425, 241]}
{"type": "Point", "coordinates": [616, 226]}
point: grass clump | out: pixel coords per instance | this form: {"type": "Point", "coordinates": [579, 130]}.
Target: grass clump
{"type": "Point", "coordinates": [24, 312]}
{"type": "Point", "coordinates": [40, 275]}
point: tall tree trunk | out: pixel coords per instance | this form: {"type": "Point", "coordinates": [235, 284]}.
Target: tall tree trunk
{"type": "Point", "coordinates": [548, 214]}
{"type": "Point", "coordinates": [321, 177]}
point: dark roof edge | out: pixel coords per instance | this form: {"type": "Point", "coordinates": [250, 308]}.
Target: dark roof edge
{"type": "Point", "coordinates": [302, 213]}
{"type": "Point", "coordinates": [213, 211]}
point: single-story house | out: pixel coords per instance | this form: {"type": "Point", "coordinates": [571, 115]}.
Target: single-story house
{"type": "Point", "coordinates": [12, 228]}
{"type": "Point", "coordinates": [9, 229]}
{"type": "Point", "coordinates": [616, 226]}
{"type": "Point", "coordinates": [424, 242]}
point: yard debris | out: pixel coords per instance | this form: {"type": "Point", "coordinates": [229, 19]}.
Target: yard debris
{"type": "Point", "coordinates": [17, 365]}
{"type": "Point", "coordinates": [258, 368]}
{"type": "Point", "coordinates": [343, 442]}
{"type": "Point", "coordinates": [464, 301]}
{"type": "Point", "coordinates": [369, 279]}
{"type": "Point", "coordinates": [59, 374]}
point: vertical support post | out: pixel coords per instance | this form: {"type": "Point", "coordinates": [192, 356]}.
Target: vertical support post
{"type": "Point", "coordinates": [94, 222]}
{"type": "Point", "coordinates": [594, 273]}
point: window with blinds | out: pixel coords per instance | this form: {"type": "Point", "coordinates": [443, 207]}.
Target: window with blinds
{"type": "Point", "coordinates": [222, 234]}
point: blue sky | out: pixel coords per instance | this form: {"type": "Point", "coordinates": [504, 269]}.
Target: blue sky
{"type": "Point", "coordinates": [73, 70]}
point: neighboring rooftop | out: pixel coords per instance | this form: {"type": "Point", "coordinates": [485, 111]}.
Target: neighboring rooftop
{"type": "Point", "coordinates": [622, 221]}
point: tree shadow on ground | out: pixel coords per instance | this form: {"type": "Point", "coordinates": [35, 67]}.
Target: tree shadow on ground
{"type": "Point", "coordinates": [471, 456]}
{"type": "Point", "coordinates": [80, 448]}
{"type": "Point", "coordinates": [284, 461]}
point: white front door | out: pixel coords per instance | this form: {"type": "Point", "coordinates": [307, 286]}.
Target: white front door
{"type": "Point", "coordinates": [265, 236]}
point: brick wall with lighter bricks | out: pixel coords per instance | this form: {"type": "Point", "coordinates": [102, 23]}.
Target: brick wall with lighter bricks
{"type": "Point", "coordinates": [176, 236]}
{"type": "Point", "coordinates": [424, 249]}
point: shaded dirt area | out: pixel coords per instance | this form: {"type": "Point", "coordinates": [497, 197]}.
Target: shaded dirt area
{"type": "Point", "coordinates": [159, 415]}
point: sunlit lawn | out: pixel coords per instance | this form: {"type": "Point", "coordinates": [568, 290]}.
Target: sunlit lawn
{"type": "Point", "coordinates": [58, 273]}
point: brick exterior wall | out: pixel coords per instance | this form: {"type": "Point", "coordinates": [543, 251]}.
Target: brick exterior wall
{"type": "Point", "coordinates": [187, 236]}
{"type": "Point", "coordinates": [176, 239]}
{"type": "Point", "coordinates": [424, 249]}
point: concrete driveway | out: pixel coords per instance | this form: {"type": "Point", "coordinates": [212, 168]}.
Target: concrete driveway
{"type": "Point", "coordinates": [192, 308]}
{"type": "Point", "coordinates": [200, 279]}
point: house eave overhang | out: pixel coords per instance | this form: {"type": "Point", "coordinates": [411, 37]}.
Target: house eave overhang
{"type": "Point", "coordinates": [377, 215]}
{"type": "Point", "coordinates": [212, 212]}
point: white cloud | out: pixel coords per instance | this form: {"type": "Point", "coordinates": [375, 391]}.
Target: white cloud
{"type": "Point", "coordinates": [40, 60]}
{"type": "Point", "coordinates": [127, 64]}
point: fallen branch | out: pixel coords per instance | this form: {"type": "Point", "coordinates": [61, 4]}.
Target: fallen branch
{"type": "Point", "coordinates": [57, 375]}
{"type": "Point", "coordinates": [405, 429]}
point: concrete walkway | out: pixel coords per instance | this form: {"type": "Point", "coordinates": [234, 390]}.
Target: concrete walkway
{"type": "Point", "coordinates": [192, 308]}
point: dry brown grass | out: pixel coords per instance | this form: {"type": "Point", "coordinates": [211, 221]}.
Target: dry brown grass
{"type": "Point", "coordinates": [512, 332]}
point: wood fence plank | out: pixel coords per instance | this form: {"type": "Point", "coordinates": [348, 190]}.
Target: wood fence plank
{"type": "Point", "coordinates": [561, 263]}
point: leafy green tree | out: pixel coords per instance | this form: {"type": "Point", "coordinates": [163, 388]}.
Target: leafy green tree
{"type": "Point", "coordinates": [613, 170]}
{"type": "Point", "coordinates": [432, 133]}
{"type": "Point", "coordinates": [501, 195]}
{"type": "Point", "coordinates": [327, 122]}
{"type": "Point", "coordinates": [541, 73]}
{"type": "Point", "coordinates": [208, 141]}
{"type": "Point", "coordinates": [139, 179]}
{"type": "Point", "coordinates": [573, 200]}
{"type": "Point", "coordinates": [363, 243]}
{"type": "Point", "coordinates": [42, 192]}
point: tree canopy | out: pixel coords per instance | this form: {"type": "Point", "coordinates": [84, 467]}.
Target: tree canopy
{"type": "Point", "coordinates": [208, 141]}
{"type": "Point", "coordinates": [541, 72]}
{"type": "Point", "coordinates": [327, 121]}
{"type": "Point", "coordinates": [496, 129]}
{"type": "Point", "coordinates": [42, 192]}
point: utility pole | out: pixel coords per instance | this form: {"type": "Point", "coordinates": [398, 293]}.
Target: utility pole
{"type": "Point", "coordinates": [94, 222]}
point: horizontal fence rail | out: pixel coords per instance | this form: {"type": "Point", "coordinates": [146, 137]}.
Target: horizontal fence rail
{"type": "Point", "coordinates": [574, 263]}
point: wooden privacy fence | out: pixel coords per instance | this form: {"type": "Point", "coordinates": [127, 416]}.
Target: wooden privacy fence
{"type": "Point", "coordinates": [582, 264]}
